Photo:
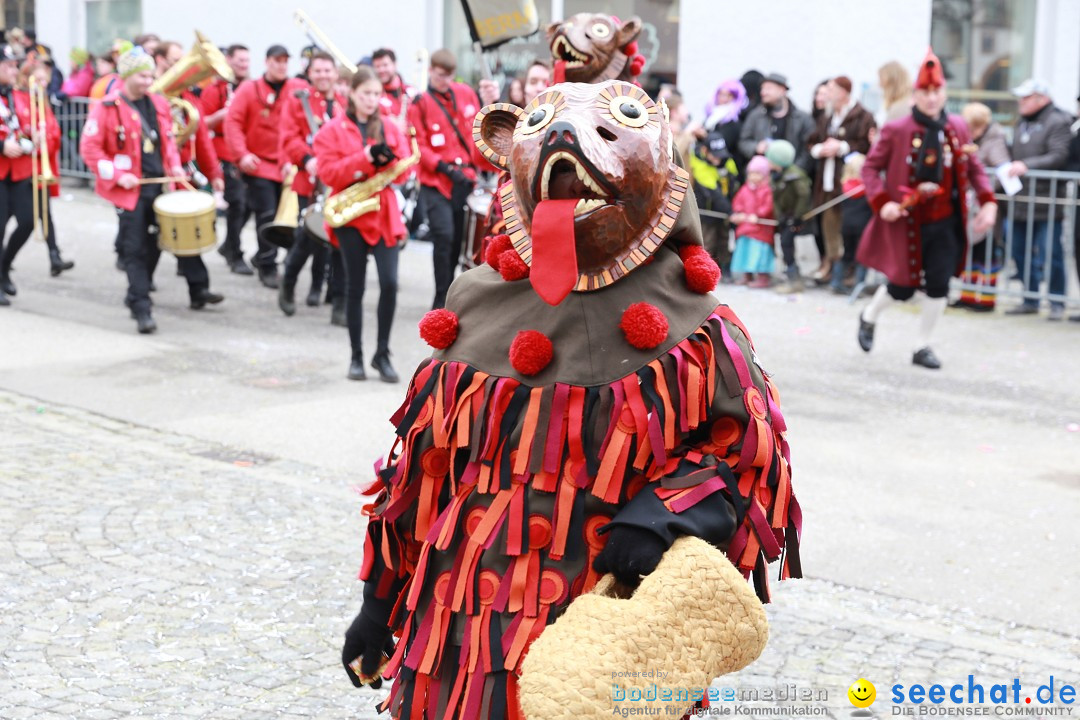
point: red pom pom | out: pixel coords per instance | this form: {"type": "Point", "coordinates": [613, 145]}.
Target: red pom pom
{"type": "Point", "coordinates": [494, 246]}
{"type": "Point", "coordinates": [630, 49]}
{"type": "Point", "coordinates": [439, 328]}
{"type": "Point", "coordinates": [702, 272]}
{"type": "Point", "coordinates": [644, 325]}
{"type": "Point", "coordinates": [637, 64]}
{"type": "Point", "coordinates": [511, 266]}
{"type": "Point", "coordinates": [530, 352]}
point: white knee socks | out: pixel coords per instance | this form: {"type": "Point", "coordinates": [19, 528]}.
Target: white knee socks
{"type": "Point", "coordinates": [933, 309]}
{"type": "Point", "coordinates": [879, 302]}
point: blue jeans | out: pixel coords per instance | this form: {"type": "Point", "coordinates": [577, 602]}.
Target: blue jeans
{"type": "Point", "coordinates": [1037, 258]}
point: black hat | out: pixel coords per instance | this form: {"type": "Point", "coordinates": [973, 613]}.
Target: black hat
{"type": "Point", "coordinates": [7, 53]}
{"type": "Point", "coordinates": [776, 78]}
{"type": "Point", "coordinates": [277, 51]}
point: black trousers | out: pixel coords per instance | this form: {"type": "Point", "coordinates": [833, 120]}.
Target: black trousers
{"type": "Point", "coordinates": [942, 251]}
{"type": "Point", "coordinates": [140, 253]}
{"type": "Point", "coordinates": [304, 247]}
{"type": "Point", "coordinates": [16, 198]}
{"type": "Point", "coordinates": [262, 199]}
{"type": "Point", "coordinates": [787, 246]}
{"type": "Point", "coordinates": [337, 274]}
{"type": "Point", "coordinates": [238, 213]}
{"type": "Point", "coordinates": [446, 217]}
{"type": "Point", "coordinates": [354, 253]}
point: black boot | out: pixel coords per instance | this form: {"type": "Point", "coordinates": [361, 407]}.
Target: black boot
{"type": "Point", "coordinates": [313, 297]}
{"type": "Point", "coordinates": [268, 276]}
{"type": "Point", "coordinates": [286, 298]}
{"type": "Point", "coordinates": [57, 264]}
{"type": "Point", "coordinates": [381, 362]}
{"type": "Point", "coordinates": [145, 323]}
{"type": "Point", "coordinates": [4, 302]}
{"type": "Point", "coordinates": [926, 358]}
{"type": "Point", "coordinates": [6, 286]}
{"type": "Point", "coordinates": [866, 334]}
{"type": "Point", "coordinates": [203, 297]}
{"type": "Point", "coordinates": [356, 367]}
{"type": "Point", "coordinates": [337, 314]}
{"type": "Point", "coordinates": [240, 267]}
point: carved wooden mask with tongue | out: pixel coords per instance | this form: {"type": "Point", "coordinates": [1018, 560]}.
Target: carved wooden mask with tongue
{"type": "Point", "coordinates": [594, 190]}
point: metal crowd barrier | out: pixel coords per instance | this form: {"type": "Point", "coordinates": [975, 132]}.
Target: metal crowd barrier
{"type": "Point", "coordinates": [1016, 259]}
{"type": "Point", "coordinates": [71, 114]}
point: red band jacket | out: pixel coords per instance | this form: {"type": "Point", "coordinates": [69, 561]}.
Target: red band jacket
{"type": "Point", "coordinates": [439, 140]}
{"type": "Point", "coordinates": [198, 147]}
{"type": "Point", "coordinates": [339, 149]}
{"type": "Point", "coordinates": [16, 169]}
{"type": "Point", "coordinates": [216, 97]}
{"type": "Point", "coordinates": [111, 146]}
{"type": "Point", "coordinates": [253, 123]}
{"type": "Point", "coordinates": [296, 136]}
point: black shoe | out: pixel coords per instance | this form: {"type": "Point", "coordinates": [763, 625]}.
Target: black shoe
{"type": "Point", "coordinates": [269, 277]}
{"type": "Point", "coordinates": [313, 297]}
{"type": "Point", "coordinates": [337, 315]}
{"type": "Point", "coordinates": [145, 323]}
{"type": "Point", "coordinates": [866, 334]}
{"type": "Point", "coordinates": [286, 298]}
{"type": "Point", "coordinates": [4, 302]}
{"type": "Point", "coordinates": [356, 367]}
{"type": "Point", "coordinates": [57, 264]}
{"type": "Point", "coordinates": [1074, 318]}
{"type": "Point", "coordinates": [1024, 309]}
{"type": "Point", "coordinates": [202, 298]}
{"type": "Point", "coordinates": [239, 267]}
{"type": "Point", "coordinates": [153, 287]}
{"type": "Point", "coordinates": [926, 358]}
{"type": "Point", "coordinates": [381, 362]}
{"type": "Point", "coordinates": [6, 286]}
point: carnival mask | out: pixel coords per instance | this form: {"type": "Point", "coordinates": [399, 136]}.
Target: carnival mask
{"type": "Point", "coordinates": [594, 190]}
{"type": "Point", "coordinates": [592, 46]}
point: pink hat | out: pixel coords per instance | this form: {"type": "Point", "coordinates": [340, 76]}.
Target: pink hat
{"type": "Point", "coordinates": [758, 164]}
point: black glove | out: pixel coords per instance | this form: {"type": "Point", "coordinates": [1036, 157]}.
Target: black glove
{"type": "Point", "coordinates": [630, 552]}
{"type": "Point", "coordinates": [370, 639]}
{"type": "Point", "coordinates": [453, 172]}
{"type": "Point", "coordinates": [381, 154]}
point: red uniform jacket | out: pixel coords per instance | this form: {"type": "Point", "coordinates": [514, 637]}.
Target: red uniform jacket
{"type": "Point", "coordinates": [199, 147]}
{"type": "Point", "coordinates": [896, 248]}
{"type": "Point", "coordinates": [215, 97]}
{"type": "Point", "coordinates": [339, 148]}
{"type": "Point", "coordinates": [19, 168]}
{"type": "Point", "coordinates": [438, 140]}
{"type": "Point", "coordinates": [754, 201]}
{"type": "Point", "coordinates": [296, 136]}
{"type": "Point", "coordinates": [112, 140]}
{"type": "Point", "coordinates": [253, 122]}
{"type": "Point", "coordinates": [393, 95]}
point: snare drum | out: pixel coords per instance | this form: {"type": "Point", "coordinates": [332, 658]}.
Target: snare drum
{"type": "Point", "coordinates": [477, 206]}
{"type": "Point", "coordinates": [186, 222]}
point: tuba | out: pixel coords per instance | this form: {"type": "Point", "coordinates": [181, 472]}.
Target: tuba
{"type": "Point", "coordinates": [203, 61]}
{"type": "Point", "coordinates": [363, 197]}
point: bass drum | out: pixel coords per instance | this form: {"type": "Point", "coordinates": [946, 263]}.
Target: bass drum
{"type": "Point", "coordinates": [186, 222]}
{"type": "Point", "coordinates": [477, 206]}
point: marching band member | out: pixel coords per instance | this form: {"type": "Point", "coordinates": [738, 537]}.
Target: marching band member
{"type": "Point", "coordinates": [19, 143]}
{"type": "Point", "coordinates": [296, 139]}
{"type": "Point", "coordinates": [127, 139]}
{"type": "Point", "coordinates": [397, 95]}
{"type": "Point", "coordinates": [57, 264]}
{"type": "Point", "coordinates": [352, 147]}
{"type": "Point", "coordinates": [215, 101]}
{"type": "Point", "coordinates": [443, 118]}
{"type": "Point", "coordinates": [251, 132]}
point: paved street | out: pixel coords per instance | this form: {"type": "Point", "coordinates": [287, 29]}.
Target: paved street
{"type": "Point", "coordinates": [179, 535]}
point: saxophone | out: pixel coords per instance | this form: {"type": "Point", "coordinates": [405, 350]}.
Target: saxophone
{"type": "Point", "coordinates": [363, 197]}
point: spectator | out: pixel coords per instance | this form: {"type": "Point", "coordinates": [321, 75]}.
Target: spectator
{"type": "Point", "coordinates": [855, 214]}
{"type": "Point", "coordinates": [149, 42]}
{"type": "Point", "coordinates": [844, 130]}
{"type": "Point", "coordinates": [751, 82]}
{"type": "Point", "coordinates": [108, 80]}
{"type": "Point", "coordinates": [81, 78]}
{"type": "Point", "coordinates": [1040, 142]}
{"type": "Point", "coordinates": [776, 118]}
{"type": "Point", "coordinates": [791, 200]}
{"type": "Point", "coordinates": [722, 121]}
{"type": "Point", "coordinates": [987, 254]}
{"type": "Point", "coordinates": [679, 120]}
{"type": "Point", "coordinates": [895, 83]}
{"type": "Point", "coordinates": [714, 168]}
{"type": "Point", "coordinates": [820, 109]}
{"type": "Point", "coordinates": [1074, 166]}
{"type": "Point", "coordinates": [753, 259]}
{"type": "Point", "coordinates": [537, 80]}
{"type": "Point", "coordinates": [515, 92]}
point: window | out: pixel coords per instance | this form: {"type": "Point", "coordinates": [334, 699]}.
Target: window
{"type": "Point", "coordinates": [107, 20]}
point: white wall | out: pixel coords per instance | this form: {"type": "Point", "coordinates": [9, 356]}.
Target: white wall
{"type": "Point", "coordinates": [806, 41]}
{"type": "Point", "coordinates": [1057, 49]}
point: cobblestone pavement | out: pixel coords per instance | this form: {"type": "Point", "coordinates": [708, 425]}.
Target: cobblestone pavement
{"type": "Point", "coordinates": [154, 575]}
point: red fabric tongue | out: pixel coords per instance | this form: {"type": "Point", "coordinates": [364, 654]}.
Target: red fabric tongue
{"type": "Point", "coordinates": [554, 270]}
{"type": "Point", "coordinates": [560, 72]}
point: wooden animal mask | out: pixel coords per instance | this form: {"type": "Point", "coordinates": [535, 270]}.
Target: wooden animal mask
{"type": "Point", "coordinates": [592, 46]}
{"type": "Point", "coordinates": [594, 190]}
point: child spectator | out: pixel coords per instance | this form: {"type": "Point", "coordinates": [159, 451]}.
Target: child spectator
{"type": "Point", "coordinates": [855, 214]}
{"type": "Point", "coordinates": [752, 261]}
{"type": "Point", "coordinates": [714, 174]}
{"type": "Point", "coordinates": [791, 200]}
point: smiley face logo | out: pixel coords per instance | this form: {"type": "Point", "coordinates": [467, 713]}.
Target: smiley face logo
{"type": "Point", "coordinates": [862, 693]}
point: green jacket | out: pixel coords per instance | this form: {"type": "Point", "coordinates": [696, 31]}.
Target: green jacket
{"type": "Point", "coordinates": [791, 193]}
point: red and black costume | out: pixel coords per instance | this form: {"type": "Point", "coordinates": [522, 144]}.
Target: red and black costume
{"type": "Point", "coordinates": [587, 403]}
{"type": "Point", "coordinates": [216, 97]}
{"type": "Point", "coordinates": [448, 167]}
{"type": "Point", "coordinates": [340, 152]}
{"type": "Point", "coordinates": [296, 149]}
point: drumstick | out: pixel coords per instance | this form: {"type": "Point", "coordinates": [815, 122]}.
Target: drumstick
{"type": "Point", "coordinates": [154, 181]}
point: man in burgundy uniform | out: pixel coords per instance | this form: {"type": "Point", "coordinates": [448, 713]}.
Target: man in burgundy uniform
{"type": "Point", "coordinates": [917, 237]}
{"type": "Point", "coordinates": [214, 102]}
{"type": "Point", "coordinates": [252, 125]}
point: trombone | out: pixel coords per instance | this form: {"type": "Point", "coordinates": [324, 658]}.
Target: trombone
{"type": "Point", "coordinates": [318, 37]}
{"type": "Point", "coordinates": [40, 166]}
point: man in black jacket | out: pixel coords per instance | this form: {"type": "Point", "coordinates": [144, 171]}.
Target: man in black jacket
{"type": "Point", "coordinates": [777, 119]}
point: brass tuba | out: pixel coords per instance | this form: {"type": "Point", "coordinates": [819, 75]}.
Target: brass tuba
{"type": "Point", "coordinates": [363, 197]}
{"type": "Point", "coordinates": [204, 60]}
